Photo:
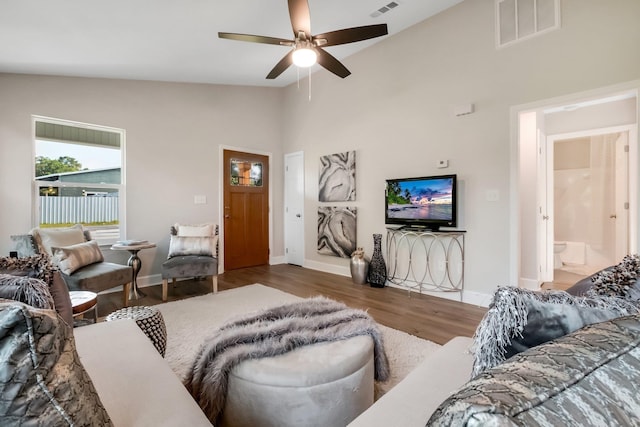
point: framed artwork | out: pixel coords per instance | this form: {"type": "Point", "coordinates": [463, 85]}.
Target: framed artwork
{"type": "Point", "coordinates": [337, 181]}
{"type": "Point", "coordinates": [336, 231]}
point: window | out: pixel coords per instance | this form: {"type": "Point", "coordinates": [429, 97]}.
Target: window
{"type": "Point", "coordinates": [78, 177]}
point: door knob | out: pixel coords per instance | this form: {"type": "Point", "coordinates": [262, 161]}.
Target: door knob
{"type": "Point", "coordinates": [613, 216]}
{"type": "Point", "coordinates": [298, 215]}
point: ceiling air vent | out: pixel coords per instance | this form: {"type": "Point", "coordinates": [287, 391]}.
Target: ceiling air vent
{"type": "Point", "coordinates": [384, 9]}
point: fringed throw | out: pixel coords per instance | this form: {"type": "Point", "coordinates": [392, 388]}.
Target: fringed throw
{"type": "Point", "coordinates": [273, 332]}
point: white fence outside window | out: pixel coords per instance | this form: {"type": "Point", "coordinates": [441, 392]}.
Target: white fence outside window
{"type": "Point", "coordinates": [86, 210]}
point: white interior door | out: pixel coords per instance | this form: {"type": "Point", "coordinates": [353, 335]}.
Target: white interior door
{"type": "Point", "coordinates": [294, 208]}
{"type": "Point", "coordinates": [621, 214]}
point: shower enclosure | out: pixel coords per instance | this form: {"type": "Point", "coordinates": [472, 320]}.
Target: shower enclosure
{"type": "Point", "coordinates": [588, 177]}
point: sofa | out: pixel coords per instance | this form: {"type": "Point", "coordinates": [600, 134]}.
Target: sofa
{"type": "Point", "coordinates": [537, 359]}
{"type": "Point", "coordinates": [52, 374]}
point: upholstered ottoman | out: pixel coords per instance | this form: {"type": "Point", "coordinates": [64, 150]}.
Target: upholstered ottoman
{"type": "Point", "coordinates": [149, 319]}
{"type": "Point", "coordinates": [326, 384]}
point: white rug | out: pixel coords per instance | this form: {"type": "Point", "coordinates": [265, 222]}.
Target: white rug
{"type": "Point", "coordinates": [191, 320]}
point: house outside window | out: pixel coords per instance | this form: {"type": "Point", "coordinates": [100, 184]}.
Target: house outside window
{"type": "Point", "coordinates": [78, 177]}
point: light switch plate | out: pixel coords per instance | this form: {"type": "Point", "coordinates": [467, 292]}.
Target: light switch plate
{"type": "Point", "coordinates": [199, 199]}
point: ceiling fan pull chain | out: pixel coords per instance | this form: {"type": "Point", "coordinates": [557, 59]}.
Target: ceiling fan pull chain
{"type": "Point", "coordinates": [309, 84]}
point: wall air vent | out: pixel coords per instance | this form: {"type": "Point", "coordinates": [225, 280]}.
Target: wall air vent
{"type": "Point", "coordinates": [518, 20]}
{"type": "Point", "coordinates": [384, 9]}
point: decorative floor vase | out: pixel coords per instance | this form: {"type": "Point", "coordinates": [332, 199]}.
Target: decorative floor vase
{"type": "Point", "coordinates": [377, 276]}
{"type": "Point", "coordinates": [359, 267]}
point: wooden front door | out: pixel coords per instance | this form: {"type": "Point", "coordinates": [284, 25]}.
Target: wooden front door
{"type": "Point", "coordinates": [246, 210]}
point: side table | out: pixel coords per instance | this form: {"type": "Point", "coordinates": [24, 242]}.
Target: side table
{"type": "Point", "coordinates": [135, 263]}
{"type": "Point", "coordinates": [82, 302]}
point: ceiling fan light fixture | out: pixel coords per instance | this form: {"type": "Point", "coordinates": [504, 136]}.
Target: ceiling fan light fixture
{"type": "Point", "coordinates": [304, 57]}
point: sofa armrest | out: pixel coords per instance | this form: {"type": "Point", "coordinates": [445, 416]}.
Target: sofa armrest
{"type": "Point", "coordinates": [135, 384]}
{"type": "Point", "coordinates": [412, 401]}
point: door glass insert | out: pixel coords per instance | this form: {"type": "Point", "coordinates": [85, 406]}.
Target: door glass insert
{"type": "Point", "coordinates": [245, 173]}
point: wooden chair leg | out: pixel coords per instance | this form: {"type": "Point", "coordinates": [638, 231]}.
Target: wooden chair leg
{"type": "Point", "coordinates": [214, 279]}
{"type": "Point", "coordinates": [165, 285]}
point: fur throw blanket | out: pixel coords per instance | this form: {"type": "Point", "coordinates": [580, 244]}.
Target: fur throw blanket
{"type": "Point", "coordinates": [273, 332]}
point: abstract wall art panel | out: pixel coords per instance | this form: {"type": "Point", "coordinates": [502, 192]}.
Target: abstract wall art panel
{"type": "Point", "coordinates": [337, 181]}
{"type": "Point", "coordinates": [336, 231]}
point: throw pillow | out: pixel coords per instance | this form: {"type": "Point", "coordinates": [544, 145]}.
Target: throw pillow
{"type": "Point", "coordinates": [28, 290]}
{"type": "Point", "coordinates": [201, 230]}
{"type": "Point", "coordinates": [74, 257]}
{"type": "Point", "coordinates": [46, 238]}
{"type": "Point", "coordinates": [40, 267]}
{"type": "Point", "coordinates": [618, 280]}
{"type": "Point", "coordinates": [519, 319]}
{"type": "Point", "coordinates": [181, 246]}
{"type": "Point", "coordinates": [43, 382]}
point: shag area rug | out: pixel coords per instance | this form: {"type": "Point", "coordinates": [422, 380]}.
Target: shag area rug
{"type": "Point", "coordinates": [190, 321]}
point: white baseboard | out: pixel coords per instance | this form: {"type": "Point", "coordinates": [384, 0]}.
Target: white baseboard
{"type": "Point", "coordinates": [327, 268]}
{"type": "Point", "coordinates": [277, 260]}
{"type": "Point", "coordinates": [530, 284]}
{"type": "Point", "coordinates": [143, 282]}
{"type": "Point", "coordinates": [468, 297]}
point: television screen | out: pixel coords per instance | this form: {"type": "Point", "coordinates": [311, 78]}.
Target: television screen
{"type": "Point", "coordinates": [422, 202]}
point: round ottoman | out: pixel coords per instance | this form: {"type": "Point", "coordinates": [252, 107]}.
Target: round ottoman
{"type": "Point", "coordinates": [149, 319]}
{"type": "Point", "coordinates": [325, 384]}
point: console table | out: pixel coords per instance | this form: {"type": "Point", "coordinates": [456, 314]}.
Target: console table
{"type": "Point", "coordinates": [426, 260]}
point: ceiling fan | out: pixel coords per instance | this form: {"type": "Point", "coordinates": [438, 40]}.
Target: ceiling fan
{"type": "Point", "coordinates": [308, 49]}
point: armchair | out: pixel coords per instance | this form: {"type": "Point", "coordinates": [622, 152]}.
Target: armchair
{"type": "Point", "coordinates": [79, 259]}
{"type": "Point", "coordinates": [193, 252]}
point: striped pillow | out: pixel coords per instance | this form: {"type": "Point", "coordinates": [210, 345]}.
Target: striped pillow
{"type": "Point", "coordinates": [74, 257]}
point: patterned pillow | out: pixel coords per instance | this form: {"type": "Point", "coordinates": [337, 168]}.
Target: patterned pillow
{"type": "Point", "coordinates": [618, 280]}
{"type": "Point", "coordinates": [74, 257]}
{"type": "Point", "coordinates": [43, 382]}
{"type": "Point", "coordinates": [46, 238]}
{"type": "Point", "coordinates": [181, 246]}
{"type": "Point", "coordinates": [588, 378]}
{"type": "Point", "coordinates": [519, 319]}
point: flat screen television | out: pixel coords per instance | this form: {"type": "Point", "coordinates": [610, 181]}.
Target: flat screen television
{"type": "Point", "coordinates": [428, 202]}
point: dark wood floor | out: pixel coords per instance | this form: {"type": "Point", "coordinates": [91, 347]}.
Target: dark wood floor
{"type": "Point", "coordinates": [432, 318]}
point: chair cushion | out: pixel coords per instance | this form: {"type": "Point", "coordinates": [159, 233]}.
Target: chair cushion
{"type": "Point", "coordinates": [46, 238]}
{"type": "Point", "coordinates": [189, 266]}
{"type": "Point", "coordinates": [98, 277]}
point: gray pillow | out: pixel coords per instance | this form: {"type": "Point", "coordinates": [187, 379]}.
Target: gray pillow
{"type": "Point", "coordinates": [519, 319]}
{"type": "Point", "coordinates": [42, 382]}
{"type": "Point", "coordinates": [28, 290]}
{"type": "Point", "coordinates": [40, 267]}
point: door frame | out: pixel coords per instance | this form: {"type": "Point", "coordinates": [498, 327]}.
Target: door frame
{"type": "Point", "coordinates": [221, 150]}
{"type": "Point", "coordinates": [286, 225]}
{"type": "Point", "coordinates": [516, 194]}
{"type": "Point", "coordinates": [547, 196]}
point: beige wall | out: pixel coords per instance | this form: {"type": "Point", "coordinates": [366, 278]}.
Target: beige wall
{"type": "Point", "coordinates": [173, 137]}
{"type": "Point", "coordinates": [396, 111]}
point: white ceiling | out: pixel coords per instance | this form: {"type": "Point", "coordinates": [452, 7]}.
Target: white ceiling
{"type": "Point", "coordinates": [176, 40]}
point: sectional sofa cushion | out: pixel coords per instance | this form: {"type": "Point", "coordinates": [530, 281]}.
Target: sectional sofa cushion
{"type": "Point", "coordinates": [71, 258]}
{"type": "Point", "coordinates": [588, 378]}
{"type": "Point", "coordinates": [519, 319]}
{"type": "Point", "coordinates": [42, 382]}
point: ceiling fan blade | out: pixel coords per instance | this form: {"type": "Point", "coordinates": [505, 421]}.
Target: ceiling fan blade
{"type": "Point", "coordinates": [300, 17]}
{"type": "Point", "coordinates": [329, 62]}
{"type": "Point", "coordinates": [350, 35]}
{"type": "Point", "coordinates": [281, 66]}
{"type": "Point", "coordinates": [256, 39]}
